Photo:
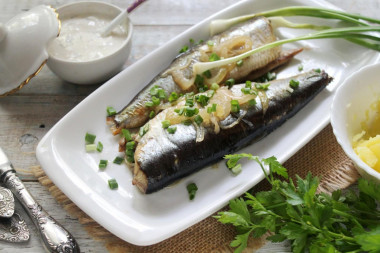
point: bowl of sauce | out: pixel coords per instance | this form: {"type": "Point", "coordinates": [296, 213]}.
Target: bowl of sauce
{"type": "Point", "coordinates": [355, 118]}
{"type": "Point", "coordinates": [80, 54]}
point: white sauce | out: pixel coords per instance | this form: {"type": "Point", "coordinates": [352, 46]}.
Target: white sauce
{"type": "Point", "coordinates": [80, 39]}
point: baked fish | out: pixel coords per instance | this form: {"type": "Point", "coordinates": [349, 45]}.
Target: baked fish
{"type": "Point", "coordinates": [179, 76]}
{"type": "Point", "coordinates": [199, 136]}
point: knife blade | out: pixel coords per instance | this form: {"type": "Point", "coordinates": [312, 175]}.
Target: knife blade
{"type": "Point", "coordinates": [54, 236]}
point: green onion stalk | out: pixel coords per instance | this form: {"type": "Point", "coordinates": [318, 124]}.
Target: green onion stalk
{"type": "Point", "coordinates": [353, 34]}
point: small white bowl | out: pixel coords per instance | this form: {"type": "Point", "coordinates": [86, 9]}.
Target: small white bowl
{"type": "Point", "coordinates": [98, 70]}
{"type": "Point", "coordinates": [351, 102]}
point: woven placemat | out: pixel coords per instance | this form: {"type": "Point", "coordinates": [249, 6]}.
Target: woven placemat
{"type": "Point", "coordinates": [322, 156]}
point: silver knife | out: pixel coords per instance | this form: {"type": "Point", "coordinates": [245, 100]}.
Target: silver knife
{"type": "Point", "coordinates": [55, 237]}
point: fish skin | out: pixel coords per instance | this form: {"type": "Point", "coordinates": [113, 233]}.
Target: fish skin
{"type": "Point", "coordinates": [258, 29]}
{"type": "Point", "coordinates": [162, 158]}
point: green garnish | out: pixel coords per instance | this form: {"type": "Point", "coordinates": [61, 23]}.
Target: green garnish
{"type": "Point", "coordinates": [155, 100]}
{"type": "Point", "coordinates": [118, 160]}
{"type": "Point", "coordinates": [90, 147]}
{"type": "Point", "coordinates": [90, 138]}
{"type": "Point", "coordinates": [103, 164]}
{"type": "Point", "coordinates": [130, 151]}
{"type": "Point", "coordinates": [126, 134]}
{"type": "Point", "coordinates": [246, 90]}
{"type": "Point", "coordinates": [165, 124]}
{"type": "Point", "coordinates": [202, 99]}
{"type": "Point", "coordinates": [312, 221]}
{"type": "Point", "coordinates": [189, 101]}
{"type": "Point", "coordinates": [211, 109]}
{"type": "Point", "coordinates": [187, 122]}
{"type": "Point", "coordinates": [317, 70]}
{"type": "Point", "coordinates": [239, 63]}
{"type": "Point", "coordinates": [191, 41]}
{"type": "Point", "coordinates": [162, 94]}
{"type": "Point", "coordinates": [248, 84]}
{"type": "Point", "coordinates": [149, 104]}
{"type": "Point", "coordinates": [262, 86]}
{"type": "Point", "coordinates": [230, 82]}
{"type": "Point", "coordinates": [198, 119]}
{"type": "Point", "coordinates": [130, 145]}
{"type": "Point", "coordinates": [111, 111]}
{"type": "Point", "coordinates": [235, 107]}
{"type": "Point", "coordinates": [154, 90]}
{"type": "Point", "coordinates": [210, 43]}
{"type": "Point", "coordinates": [252, 102]}
{"type": "Point", "coordinates": [143, 130]}
{"type": "Point", "coordinates": [99, 147]}
{"type": "Point", "coordinates": [294, 84]}
{"type": "Point", "coordinates": [184, 49]}
{"type": "Point", "coordinates": [199, 81]}
{"type": "Point", "coordinates": [207, 73]}
{"type": "Point", "coordinates": [173, 97]}
{"type": "Point", "coordinates": [191, 111]}
{"type": "Point", "coordinates": [214, 86]}
{"type": "Point", "coordinates": [213, 57]}
{"type": "Point", "coordinates": [236, 169]}
{"type": "Point", "coordinates": [179, 111]}
{"type": "Point", "coordinates": [192, 189]}
{"type": "Point", "coordinates": [171, 130]}
{"type": "Point", "coordinates": [112, 183]}
{"type": "Point", "coordinates": [152, 114]}
{"type": "Point", "coordinates": [300, 67]}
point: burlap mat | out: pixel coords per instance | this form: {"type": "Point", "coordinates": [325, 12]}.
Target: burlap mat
{"type": "Point", "coordinates": [322, 156]}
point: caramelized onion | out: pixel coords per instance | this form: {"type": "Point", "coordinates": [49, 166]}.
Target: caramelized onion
{"type": "Point", "coordinates": [233, 46]}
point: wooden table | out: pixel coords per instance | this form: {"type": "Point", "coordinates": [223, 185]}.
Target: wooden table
{"type": "Point", "coordinates": [26, 116]}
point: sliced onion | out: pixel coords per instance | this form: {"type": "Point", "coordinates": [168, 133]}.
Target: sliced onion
{"type": "Point", "coordinates": [264, 101]}
{"type": "Point", "coordinates": [234, 46]}
{"type": "Point", "coordinates": [235, 122]}
{"type": "Point", "coordinates": [200, 132]}
{"type": "Point", "coordinates": [216, 124]}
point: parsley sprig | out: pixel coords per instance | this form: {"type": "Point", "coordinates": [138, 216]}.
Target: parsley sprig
{"type": "Point", "coordinates": [314, 222]}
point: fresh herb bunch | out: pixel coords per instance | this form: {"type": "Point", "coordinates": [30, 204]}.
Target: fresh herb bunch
{"type": "Point", "coordinates": [314, 222]}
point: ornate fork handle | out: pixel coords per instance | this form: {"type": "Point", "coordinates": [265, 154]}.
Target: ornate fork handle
{"type": "Point", "coordinates": [55, 237]}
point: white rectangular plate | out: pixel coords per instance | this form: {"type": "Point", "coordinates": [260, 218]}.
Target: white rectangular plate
{"type": "Point", "coordinates": [148, 219]}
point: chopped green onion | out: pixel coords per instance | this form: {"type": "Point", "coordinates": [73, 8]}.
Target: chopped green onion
{"type": "Point", "coordinates": [143, 130]}
{"type": "Point", "coordinates": [130, 145]}
{"type": "Point", "coordinates": [212, 108]}
{"type": "Point", "coordinates": [191, 111]}
{"type": "Point", "coordinates": [103, 164]}
{"type": "Point", "coordinates": [230, 82]}
{"type": "Point", "coordinates": [161, 94]}
{"type": "Point", "coordinates": [252, 102]}
{"type": "Point", "coordinates": [248, 84]}
{"type": "Point", "coordinates": [214, 86]}
{"type": "Point", "coordinates": [184, 49]}
{"type": "Point", "coordinates": [190, 101]}
{"type": "Point", "coordinates": [239, 63]}
{"type": "Point", "coordinates": [126, 134]}
{"type": "Point", "coordinates": [202, 99]}
{"type": "Point", "coordinates": [99, 147]}
{"type": "Point", "coordinates": [191, 41]}
{"type": "Point", "coordinates": [154, 90]}
{"type": "Point", "coordinates": [155, 100]}
{"type": "Point", "coordinates": [198, 119]}
{"type": "Point", "coordinates": [200, 41]}
{"type": "Point", "coordinates": [149, 104]}
{"type": "Point", "coordinates": [214, 57]}
{"type": "Point", "coordinates": [90, 138]}
{"type": "Point", "coordinates": [300, 67]}
{"type": "Point", "coordinates": [152, 114]}
{"type": "Point", "coordinates": [236, 170]}
{"type": "Point", "coordinates": [262, 86]}
{"type": "Point", "coordinates": [235, 107]}
{"type": "Point", "coordinates": [294, 84]}
{"type": "Point", "coordinates": [179, 111]}
{"type": "Point", "coordinates": [173, 97]}
{"type": "Point", "coordinates": [165, 124]}
{"type": "Point", "coordinates": [90, 147]}
{"type": "Point", "coordinates": [246, 90]}
{"type": "Point", "coordinates": [199, 81]}
{"type": "Point", "coordinates": [187, 122]}
{"type": "Point", "coordinates": [207, 73]}
{"type": "Point", "coordinates": [210, 43]}
{"type": "Point", "coordinates": [317, 70]}
{"type": "Point", "coordinates": [118, 160]}
{"type": "Point", "coordinates": [271, 76]}
{"type": "Point", "coordinates": [112, 183]}
{"type": "Point", "coordinates": [192, 189]}
{"type": "Point", "coordinates": [111, 111]}
{"type": "Point", "coordinates": [171, 130]}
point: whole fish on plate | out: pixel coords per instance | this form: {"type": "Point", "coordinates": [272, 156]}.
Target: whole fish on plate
{"type": "Point", "coordinates": [185, 138]}
{"type": "Point", "coordinates": [179, 76]}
